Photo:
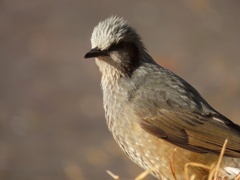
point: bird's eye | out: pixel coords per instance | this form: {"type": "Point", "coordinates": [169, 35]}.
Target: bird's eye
{"type": "Point", "coordinates": [117, 46]}
{"type": "Point", "coordinates": [120, 44]}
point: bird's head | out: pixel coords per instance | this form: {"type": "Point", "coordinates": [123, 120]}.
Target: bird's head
{"type": "Point", "coordinates": [116, 43]}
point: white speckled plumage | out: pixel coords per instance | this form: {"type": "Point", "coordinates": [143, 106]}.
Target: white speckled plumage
{"type": "Point", "coordinates": [113, 30]}
{"type": "Point", "coordinates": [104, 35]}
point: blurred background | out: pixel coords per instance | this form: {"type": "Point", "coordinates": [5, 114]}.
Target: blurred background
{"type": "Point", "coordinates": [52, 123]}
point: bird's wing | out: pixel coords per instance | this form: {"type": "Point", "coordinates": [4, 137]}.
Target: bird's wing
{"type": "Point", "coordinates": [192, 131]}
{"type": "Point", "coordinates": [170, 108]}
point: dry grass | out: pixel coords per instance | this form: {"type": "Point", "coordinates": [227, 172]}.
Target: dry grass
{"type": "Point", "coordinates": [213, 170]}
{"type": "Point", "coordinates": [214, 173]}
{"type": "Point", "coordinates": [115, 177]}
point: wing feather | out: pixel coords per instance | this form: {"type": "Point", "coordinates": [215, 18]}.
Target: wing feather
{"type": "Point", "coordinates": [193, 131]}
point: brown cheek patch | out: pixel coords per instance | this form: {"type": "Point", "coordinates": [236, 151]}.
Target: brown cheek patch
{"type": "Point", "coordinates": [133, 53]}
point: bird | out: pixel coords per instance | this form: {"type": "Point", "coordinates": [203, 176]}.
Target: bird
{"type": "Point", "coordinates": [155, 116]}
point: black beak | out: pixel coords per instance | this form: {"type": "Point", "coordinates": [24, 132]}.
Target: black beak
{"type": "Point", "coordinates": [95, 52]}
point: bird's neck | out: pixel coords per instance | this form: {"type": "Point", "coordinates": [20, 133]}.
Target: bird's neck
{"type": "Point", "coordinates": [110, 75]}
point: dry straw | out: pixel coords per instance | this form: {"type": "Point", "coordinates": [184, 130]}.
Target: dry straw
{"type": "Point", "coordinates": [214, 173]}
